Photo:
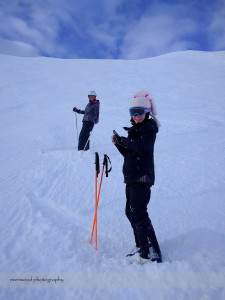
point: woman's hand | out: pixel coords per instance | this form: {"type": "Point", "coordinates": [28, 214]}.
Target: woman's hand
{"type": "Point", "coordinates": [113, 139]}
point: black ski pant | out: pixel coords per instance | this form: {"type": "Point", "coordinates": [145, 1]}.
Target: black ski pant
{"type": "Point", "coordinates": [138, 197]}
{"type": "Point", "coordinates": [84, 135]}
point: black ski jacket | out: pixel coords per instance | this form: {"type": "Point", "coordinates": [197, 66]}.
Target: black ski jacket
{"type": "Point", "coordinates": [138, 151]}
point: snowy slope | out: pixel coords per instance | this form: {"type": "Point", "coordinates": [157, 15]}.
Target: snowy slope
{"type": "Point", "coordinates": [47, 189]}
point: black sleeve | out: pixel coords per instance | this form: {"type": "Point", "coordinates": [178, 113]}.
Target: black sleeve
{"type": "Point", "coordinates": [96, 114]}
{"type": "Point", "coordinates": [143, 144]}
{"type": "Point", "coordinates": [121, 149]}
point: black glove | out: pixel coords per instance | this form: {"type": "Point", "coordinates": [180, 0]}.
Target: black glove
{"type": "Point", "coordinates": [121, 140]}
{"type": "Point", "coordinates": [75, 109]}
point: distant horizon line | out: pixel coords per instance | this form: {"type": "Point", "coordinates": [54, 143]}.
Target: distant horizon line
{"type": "Point", "coordinates": [128, 59]}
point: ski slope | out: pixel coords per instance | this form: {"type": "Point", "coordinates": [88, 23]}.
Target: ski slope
{"type": "Point", "coordinates": [47, 189]}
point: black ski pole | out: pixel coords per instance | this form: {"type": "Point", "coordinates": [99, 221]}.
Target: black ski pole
{"type": "Point", "coordinates": [76, 127]}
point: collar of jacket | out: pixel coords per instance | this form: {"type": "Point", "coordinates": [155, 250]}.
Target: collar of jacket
{"type": "Point", "coordinates": [138, 125]}
{"type": "Point", "coordinates": [93, 101]}
{"type": "Point", "coordinates": [152, 126]}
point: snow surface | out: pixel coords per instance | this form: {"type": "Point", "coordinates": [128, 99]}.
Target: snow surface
{"type": "Point", "coordinates": [47, 188]}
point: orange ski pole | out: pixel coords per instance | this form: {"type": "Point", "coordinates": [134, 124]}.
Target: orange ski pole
{"type": "Point", "coordinates": [96, 207]}
{"type": "Point", "coordinates": [96, 188]}
{"type": "Point", "coordinates": [95, 217]}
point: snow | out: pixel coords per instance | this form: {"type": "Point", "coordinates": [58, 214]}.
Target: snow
{"type": "Point", "coordinates": [47, 189]}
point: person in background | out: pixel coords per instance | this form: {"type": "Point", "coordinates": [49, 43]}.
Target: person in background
{"type": "Point", "coordinates": [139, 175]}
{"type": "Point", "coordinates": [91, 117]}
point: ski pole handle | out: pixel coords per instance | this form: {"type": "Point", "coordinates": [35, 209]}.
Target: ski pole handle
{"type": "Point", "coordinates": [97, 166]}
{"type": "Point", "coordinates": [105, 163]}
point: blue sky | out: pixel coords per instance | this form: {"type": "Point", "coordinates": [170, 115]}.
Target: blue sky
{"type": "Point", "coordinates": [110, 29]}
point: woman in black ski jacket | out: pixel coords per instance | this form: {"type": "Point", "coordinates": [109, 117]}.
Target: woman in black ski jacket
{"type": "Point", "coordinates": [139, 175]}
{"type": "Point", "coordinates": [138, 150]}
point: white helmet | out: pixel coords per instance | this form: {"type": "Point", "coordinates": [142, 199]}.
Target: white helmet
{"type": "Point", "coordinates": [92, 93]}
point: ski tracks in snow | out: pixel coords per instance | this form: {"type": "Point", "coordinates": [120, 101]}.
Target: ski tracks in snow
{"type": "Point", "coordinates": [60, 209]}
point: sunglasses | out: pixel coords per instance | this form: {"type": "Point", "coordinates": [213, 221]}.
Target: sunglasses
{"type": "Point", "coordinates": [138, 111]}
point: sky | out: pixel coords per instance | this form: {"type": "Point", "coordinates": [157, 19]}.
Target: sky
{"type": "Point", "coordinates": [110, 29]}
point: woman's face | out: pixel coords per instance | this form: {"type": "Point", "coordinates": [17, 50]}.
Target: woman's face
{"type": "Point", "coordinates": [138, 119]}
{"type": "Point", "coordinates": [92, 98]}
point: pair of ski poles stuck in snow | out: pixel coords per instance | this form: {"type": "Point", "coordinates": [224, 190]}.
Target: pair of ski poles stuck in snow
{"type": "Point", "coordinates": [105, 163]}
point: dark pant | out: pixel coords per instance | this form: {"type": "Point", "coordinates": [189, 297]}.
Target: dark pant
{"type": "Point", "coordinates": [138, 197]}
{"type": "Point", "coordinates": [84, 135]}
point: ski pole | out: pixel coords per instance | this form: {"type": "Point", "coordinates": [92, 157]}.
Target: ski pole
{"type": "Point", "coordinates": [96, 211]}
{"type": "Point", "coordinates": [96, 200]}
{"type": "Point", "coordinates": [97, 170]}
{"type": "Point", "coordinates": [76, 126]}
{"type": "Point", "coordinates": [95, 216]}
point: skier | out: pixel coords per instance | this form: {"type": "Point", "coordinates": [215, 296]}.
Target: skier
{"type": "Point", "coordinates": [139, 175]}
{"type": "Point", "coordinates": [91, 117]}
